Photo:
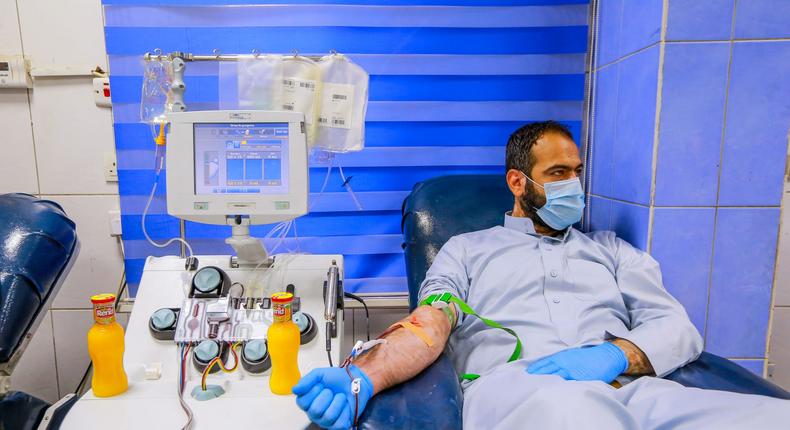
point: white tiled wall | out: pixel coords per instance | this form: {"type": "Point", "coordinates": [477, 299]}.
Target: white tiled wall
{"type": "Point", "coordinates": [54, 141]}
{"type": "Point", "coordinates": [18, 163]}
{"type": "Point", "coordinates": [779, 354]}
{"type": "Point", "coordinates": [782, 286]}
{"type": "Point", "coordinates": [63, 32]}
{"type": "Point", "coordinates": [72, 136]}
{"type": "Point", "coordinates": [36, 369]}
{"type": "Point", "coordinates": [9, 28]}
{"type": "Point", "coordinates": [99, 266]}
{"type": "Point", "coordinates": [71, 346]}
{"type": "Point", "coordinates": [779, 343]}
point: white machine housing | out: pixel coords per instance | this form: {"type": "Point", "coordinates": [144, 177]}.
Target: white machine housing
{"type": "Point", "coordinates": [152, 403]}
{"type": "Point", "coordinates": [184, 202]}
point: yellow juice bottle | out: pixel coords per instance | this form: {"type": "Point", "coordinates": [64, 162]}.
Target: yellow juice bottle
{"type": "Point", "coordinates": [283, 343]}
{"type": "Point", "coordinates": [105, 346]}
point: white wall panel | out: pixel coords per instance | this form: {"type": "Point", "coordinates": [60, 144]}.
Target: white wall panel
{"type": "Point", "coordinates": [36, 374]}
{"type": "Point", "coordinates": [782, 283]}
{"type": "Point", "coordinates": [71, 346]}
{"type": "Point", "coordinates": [10, 43]}
{"type": "Point", "coordinates": [63, 32]}
{"type": "Point", "coordinates": [99, 265]}
{"type": "Point", "coordinates": [18, 161]}
{"type": "Point", "coordinates": [779, 354]}
{"type": "Point", "coordinates": [72, 135]}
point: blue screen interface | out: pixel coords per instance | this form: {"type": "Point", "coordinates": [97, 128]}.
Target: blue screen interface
{"type": "Point", "coordinates": [243, 158]}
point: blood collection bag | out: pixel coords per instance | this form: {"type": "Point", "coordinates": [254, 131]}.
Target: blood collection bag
{"type": "Point", "coordinates": [343, 104]}
{"type": "Point", "coordinates": [301, 88]}
{"type": "Point", "coordinates": [260, 82]}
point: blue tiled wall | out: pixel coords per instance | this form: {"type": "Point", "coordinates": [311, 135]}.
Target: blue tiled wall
{"type": "Point", "coordinates": [690, 137]}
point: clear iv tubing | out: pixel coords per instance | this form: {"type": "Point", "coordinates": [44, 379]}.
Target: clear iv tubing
{"type": "Point", "coordinates": [254, 277]}
{"type": "Point", "coordinates": [159, 163]}
{"type": "Point", "coordinates": [348, 188]}
{"type": "Point", "coordinates": [285, 227]}
{"type": "Point", "coordinates": [323, 186]}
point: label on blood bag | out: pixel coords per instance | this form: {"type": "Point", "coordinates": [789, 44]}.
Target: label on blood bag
{"type": "Point", "coordinates": [299, 96]}
{"type": "Point", "coordinates": [337, 104]}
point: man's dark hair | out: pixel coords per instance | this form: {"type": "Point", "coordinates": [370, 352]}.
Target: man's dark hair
{"type": "Point", "coordinates": [518, 154]}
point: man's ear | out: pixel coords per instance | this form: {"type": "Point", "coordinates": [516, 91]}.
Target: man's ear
{"type": "Point", "coordinates": [515, 181]}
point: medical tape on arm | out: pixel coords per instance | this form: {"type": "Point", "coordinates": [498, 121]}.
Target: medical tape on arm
{"type": "Point", "coordinates": [413, 327]}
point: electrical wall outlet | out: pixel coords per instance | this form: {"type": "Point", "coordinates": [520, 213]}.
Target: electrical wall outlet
{"type": "Point", "coordinates": [110, 167]}
{"type": "Point", "coordinates": [101, 92]}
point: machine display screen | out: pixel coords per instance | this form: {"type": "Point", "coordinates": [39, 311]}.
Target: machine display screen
{"type": "Point", "coordinates": [241, 158]}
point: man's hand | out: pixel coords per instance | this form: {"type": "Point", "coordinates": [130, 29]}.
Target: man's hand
{"type": "Point", "coordinates": [325, 395]}
{"type": "Point", "coordinates": [603, 362]}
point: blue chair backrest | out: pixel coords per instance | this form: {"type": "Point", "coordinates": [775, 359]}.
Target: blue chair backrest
{"type": "Point", "coordinates": [440, 208]}
{"type": "Point", "coordinates": [37, 244]}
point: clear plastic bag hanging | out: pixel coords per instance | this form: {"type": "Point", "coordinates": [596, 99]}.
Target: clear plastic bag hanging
{"type": "Point", "coordinates": [260, 82]}
{"type": "Point", "coordinates": [157, 78]}
{"type": "Point", "coordinates": [301, 89]}
{"type": "Point", "coordinates": [343, 105]}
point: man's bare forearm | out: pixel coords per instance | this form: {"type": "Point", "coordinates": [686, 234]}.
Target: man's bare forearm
{"type": "Point", "coordinates": [405, 354]}
{"type": "Point", "coordinates": [638, 363]}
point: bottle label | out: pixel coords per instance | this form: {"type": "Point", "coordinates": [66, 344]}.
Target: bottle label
{"type": "Point", "coordinates": [281, 312]}
{"type": "Point", "coordinates": [104, 313]}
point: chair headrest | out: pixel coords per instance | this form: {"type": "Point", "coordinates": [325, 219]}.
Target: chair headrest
{"type": "Point", "coordinates": [440, 208]}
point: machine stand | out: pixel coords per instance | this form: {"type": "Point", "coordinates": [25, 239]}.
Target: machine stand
{"type": "Point", "coordinates": [249, 250]}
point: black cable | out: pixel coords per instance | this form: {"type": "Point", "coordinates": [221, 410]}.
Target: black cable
{"type": "Point", "coordinates": [367, 314]}
{"type": "Point", "coordinates": [329, 342]}
{"type": "Point", "coordinates": [83, 380]}
{"type": "Point", "coordinates": [120, 291]}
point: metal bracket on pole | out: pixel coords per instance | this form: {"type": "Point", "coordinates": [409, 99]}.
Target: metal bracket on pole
{"type": "Point", "coordinates": [178, 87]}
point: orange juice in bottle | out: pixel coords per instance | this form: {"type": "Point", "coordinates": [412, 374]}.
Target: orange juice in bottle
{"type": "Point", "coordinates": [105, 346]}
{"type": "Point", "coordinates": [283, 343]}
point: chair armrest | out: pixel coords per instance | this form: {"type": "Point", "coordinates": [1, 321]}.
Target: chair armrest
{"type": "Point", "coordinates": [432, 399]}
{"type": "Point", "coordinates": [715, 373]}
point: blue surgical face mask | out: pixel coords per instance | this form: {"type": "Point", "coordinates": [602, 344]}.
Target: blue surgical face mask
{"type": "Point", "coordinates": [564, 203]}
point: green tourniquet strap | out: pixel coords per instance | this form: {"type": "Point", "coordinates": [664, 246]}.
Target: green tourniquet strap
{"type": "Point", "coordinates": [469, 376]}
{"type": "Point", "coordinates": [449, 298]}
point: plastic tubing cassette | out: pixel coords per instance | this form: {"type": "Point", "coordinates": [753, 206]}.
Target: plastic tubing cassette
{"type": "Point", "coordinates": [223, 319]}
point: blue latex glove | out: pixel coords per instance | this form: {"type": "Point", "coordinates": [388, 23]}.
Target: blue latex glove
{"type": "Point", "coordinates": [602, 362]}
{"type": "Point", "coordinates": [325, 395]}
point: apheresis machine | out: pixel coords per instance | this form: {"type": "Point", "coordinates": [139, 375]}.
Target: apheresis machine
{"type": "Point", "coordinates": [236, 168]}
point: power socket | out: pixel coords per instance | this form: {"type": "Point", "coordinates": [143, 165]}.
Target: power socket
{"type": "Point", "coordinates": [110, 167]}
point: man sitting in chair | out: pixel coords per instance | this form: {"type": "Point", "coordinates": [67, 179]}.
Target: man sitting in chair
{"type": "Point", "coordinates": [590, 308]}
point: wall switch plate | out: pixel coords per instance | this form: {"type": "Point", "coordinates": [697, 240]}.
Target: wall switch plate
{"type": "Point", "coordinates": [110, 167]}
{"type": "Point", "coordinates": [115, 222]}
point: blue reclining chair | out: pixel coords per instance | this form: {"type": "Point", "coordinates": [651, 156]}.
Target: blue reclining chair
{"type": "Point", "coordinates": [438, 209]}
{"type": "Point", "coordinates": [38, 245]}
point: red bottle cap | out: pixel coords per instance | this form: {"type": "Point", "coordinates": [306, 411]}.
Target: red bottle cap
{"type": "Point", "coordinates": [282, 297]}
{"type": "Point", "coordinates": [103, 298]}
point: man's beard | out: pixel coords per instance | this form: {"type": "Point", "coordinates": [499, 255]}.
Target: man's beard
{"type": "Point", "coordinates": [530, 202]}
